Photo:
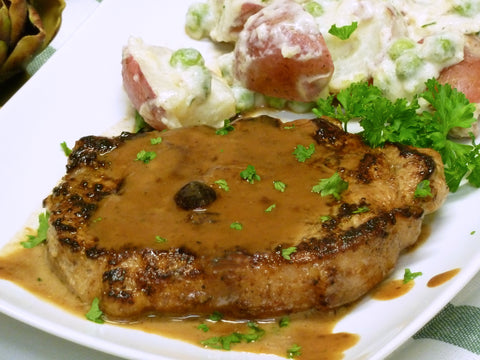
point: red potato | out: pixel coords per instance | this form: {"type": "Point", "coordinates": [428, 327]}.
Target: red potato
{"type": "Point", "coordinates": [465, 75]}
{"type": "Point", "coordinates": [281, 53]}
{"type": "Point", "coordinates": [169, 96]}
{"type": "Point", "coordinates": [140, 92]}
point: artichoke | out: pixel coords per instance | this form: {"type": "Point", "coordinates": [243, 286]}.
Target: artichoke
{"type": "Point", "coordinates": [26, 28]}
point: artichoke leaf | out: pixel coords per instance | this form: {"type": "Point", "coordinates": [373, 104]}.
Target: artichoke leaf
{"type": "Point", "coordinates": [18, 17]}
{"type": "Point", "coordinates": [26, 48]}
{"type": "Point", "coordinates": [3, 51]}
{"type": "Point", "coordinates": [51, 13]}
{"type": "Point", "coordinates": [5, 24]}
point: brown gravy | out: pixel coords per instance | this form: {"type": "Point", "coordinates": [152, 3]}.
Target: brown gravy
{"type": "Point", "coordinates": [391, 289]}
{"type": "Point", "coordinates": [313, 331]}
{"type": "Point", "coordinates": [442, 278]}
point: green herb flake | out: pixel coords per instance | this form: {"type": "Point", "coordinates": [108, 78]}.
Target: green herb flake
{"type": "Point", "coordinates": [160, 239]}
{"type": "Point", "coordinates": [401, 122]}
{"type": "Point", "coordinates": [156, 141]}
{"type": "Point", "coordinates": [41, 236]}
{"type": "Point", "coordinates": [250, 174]}
{"type": "Point", "coordinates": [333, 185]}
{"type": "Point", "coordinates": [294, 351]}
{"type": "Point", "coordinates": [361, 210]}
{"type": "Point", "coordinates": [288, 251]}
{"type": "Point", "coordinates": [222, 184]}
{"type": "Point", "coordinates": [95, 314]}
{"type": "Point", "coordinates": [215, 316]}
{"type": "Point", "coordinates": [303, 153]}
{"type": "Point", "coordinates": [289, 127]}
{"type": "Point", "coordinates": [325, 218]}
{"type": "Point", "coordinates": [203, 327]}
{"type": "Point", "coordinates": [66, 150]}
{"type": "Point", "coordinates": [139, 124]}
{"type": "Point", "coordinates": [343, 32]}
{"type": "Point", "coordinates": [409, 276]}
{"type": "Point", "coordinates": [472, 232]}
{"type": "Point", "coordinates": [423, 189]}
{"type": "Point", "coordinates": [146, 156]}
{"type": "Point", "coordinates": [227, 127]}
{"type": "Point", "coordinates": [236, 226]}
{"type": "Point", "coordinates": [270, 208]}
{"type": "Point", "coordinates": [284, 321]}
{"type": "Point", "coordinates": [224, 342]}
{"type": "Point", "coordinates": [280, 186]}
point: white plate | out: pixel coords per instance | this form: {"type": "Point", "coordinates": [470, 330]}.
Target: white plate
{"type": "Point", "coordinates": [79, 92]}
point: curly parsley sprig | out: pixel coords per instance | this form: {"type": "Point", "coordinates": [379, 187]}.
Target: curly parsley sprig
{"type": "Point", "coordinates": [402, 121]}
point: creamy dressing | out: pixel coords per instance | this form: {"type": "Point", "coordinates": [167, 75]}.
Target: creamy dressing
{"type": "Point", "coordinates": [436, 28]}
{"type": "Point", "coordinates": [188, 95]}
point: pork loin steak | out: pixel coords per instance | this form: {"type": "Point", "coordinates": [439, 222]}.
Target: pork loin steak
{"type": "Point", "coordinates": [188, 221]}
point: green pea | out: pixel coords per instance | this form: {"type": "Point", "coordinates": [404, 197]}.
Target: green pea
{"type": "Point", "coordinates": [196, 20]}
{"type": "Point", "coordinates": [186, 57]}
{"type": "Point", "coordinates": [314, 8]}
{"type": "Point", "coordinates": [399, 47]}
{"type": "Point", "coordinates": [245, 99]}
{"type": "Point", "coordinates": [407, 65]}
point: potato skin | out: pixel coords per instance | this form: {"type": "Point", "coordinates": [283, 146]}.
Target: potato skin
{"type": "Point", "coordinates": [281, 53]}
{"type": "Point", "coordinates": [140, 92]}
{"type": "Point", "coordinates": [465, 75]}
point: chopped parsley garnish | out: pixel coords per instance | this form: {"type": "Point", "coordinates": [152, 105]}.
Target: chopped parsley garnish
{"type": "Point", "coordinates": [325, 218]}
{"type": "Point", "coordinates": [333, 185]}
{"type": "Point", "coordinates": [423, 189]}
{"type": "Point", "coordinates": [303, 153]}
{"type": "Point", "coordinates": [360, 210]}
{"type": "Point", "coordinates": [227, 127]}
{"type": "Point", "coordinates": [250, 174]}
{"type": "Point", "coordinates": [66, 150]}
{"type": "Point", "coordinates": [160, 239]}
{"type": "Point", "coordinates": [402, 122]}
{"type": "Point", "coordinates": [280, 186]}
{"type": "Point", "coordinates": [95, 314]}
{"type": "Point", "coordinates": [288, 251]}
{"type": "Point", "coordinates": [222, 184]}
{"type": "Point", "coordinates": [156, 140]}
{"type": "Point", "coordinates": [409, 276]}
{"type": "Point", "coordinates": [203, 327]}
{"type": "Point", "coordinates": [215, 316]}
{"type": "Point", "coordinates": [236, 225]}
{"type": "Point", "coordinates": [34, 240]}
{"type": "Point", "coordinates": [284, 321]}
{"type": "Point", "coordinates": [224, 342]}
{"type": "Point", "coordinates": [294, 351]}
{"type": "Point", "coordinates": [146, 156]}
{"type": "Point", "coordinates": [140, 123]}
{"type": "Point", "coordinates": [343, 32]}
{"type": "Point", "coordinates": [270, 208]}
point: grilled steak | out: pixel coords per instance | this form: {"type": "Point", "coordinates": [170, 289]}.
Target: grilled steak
{"type": "Point", "coordinates": [187, 221]}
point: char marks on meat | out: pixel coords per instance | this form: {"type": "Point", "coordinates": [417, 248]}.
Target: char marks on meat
{"type": "Point", "coordinates": [118, 234]}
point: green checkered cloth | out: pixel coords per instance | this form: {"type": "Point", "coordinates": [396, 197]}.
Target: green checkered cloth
{"type": "Point", "coordinates": [454, 333]}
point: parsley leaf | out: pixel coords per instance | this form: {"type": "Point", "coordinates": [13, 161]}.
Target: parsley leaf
{"type": "Point", "coordinates": [203, 327]}
{"type": "Point", "coordinates": [250, 174]}
{"type": "Point", "coordinates": [95, 314]}
{"type": "Point", "coordinates": [227, 127]}
{"type": "Point", "coordinates": [294, 351]}
{"type": "Point", "coordinates": [224, 342]}
{"type": "Point", "coordinates": [215, 316]}
{"type": "Point", "coordinates": [66, 150]}
{"type": "Point", "coordinates": [409, 276]}
{"type": "Point", "coordinates": [279, 185]}
{"type": "Point", "coordinates": [288, 251]}
{"type": "Point", "coordinates": [333, 185]}
{"type": "Point", "coordinates": [146, 156]}
{"type": "Point", "coordinates": [156, 140]}
{"type": "Point", "coordinates": [284, 321]}
{"type": "Point", "coordinates": [343, 32]}
{"type": "Point", "coordinates": [236, 225]}
{"type": "Point", "coordinates": [222, 184]}
{"type": "Point", "coordinates": [302, 153]}
{"type": "Point", "coordinates": [423, 189]}
{"type": "Point", "coordinates": [402, 122]}
{"type": "Point", "coordinates": [270, 208]}
{"type": "Point", "coordinates": [34, 240]}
